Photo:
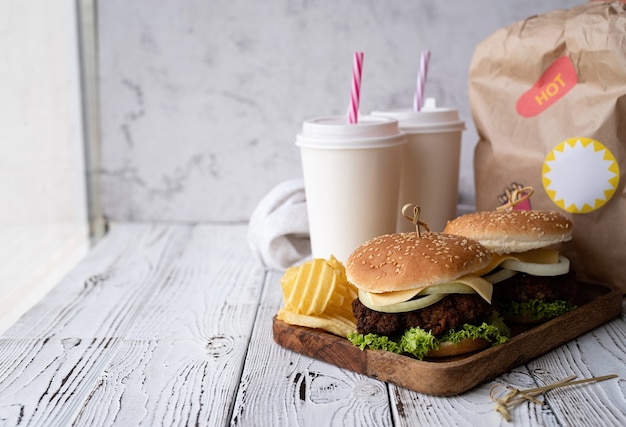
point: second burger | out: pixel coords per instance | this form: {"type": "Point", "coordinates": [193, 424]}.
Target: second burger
{"type": "Point", "coordinates": [532, 281]}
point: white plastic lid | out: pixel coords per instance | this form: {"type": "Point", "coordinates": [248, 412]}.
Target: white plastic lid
{"type": "Point", "coordinates": [335, 132]}
{"type": "Point", "coordinates": [430, 119]}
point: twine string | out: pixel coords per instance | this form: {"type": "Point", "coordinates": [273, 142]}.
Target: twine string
{"type": "Point", "coordinates": [415, 218]}
{"type": "Point", "coordinates": [506, 397]}
{"type": "Point", "coordinates": [515, 195]}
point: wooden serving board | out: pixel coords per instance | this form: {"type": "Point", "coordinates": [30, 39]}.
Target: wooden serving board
{"type": "Point", "coordinates": [597, 304]}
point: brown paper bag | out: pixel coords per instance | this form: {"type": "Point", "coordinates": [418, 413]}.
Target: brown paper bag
{"type": "Point", "coordinates": [548, 97]}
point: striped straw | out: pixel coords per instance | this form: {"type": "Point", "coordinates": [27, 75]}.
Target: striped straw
{"type": "Point", "coordinates": [355, 93]}
{"type": "Point", "coordinates": [418, 99]}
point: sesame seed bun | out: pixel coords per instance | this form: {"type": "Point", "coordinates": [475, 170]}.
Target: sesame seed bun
{"type": "Point", "coordinates": [467, 345]}
{"type": "Point", "coordinates": [513, 231]}
{"type": "Point", "coordinates": [402, 261]}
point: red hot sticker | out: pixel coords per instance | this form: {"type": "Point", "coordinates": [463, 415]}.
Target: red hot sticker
{"type": "Point", "coordinates": [558, 79]}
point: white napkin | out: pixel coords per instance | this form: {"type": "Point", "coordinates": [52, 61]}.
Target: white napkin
{"type": "Point", "coordinates": [278, 232]}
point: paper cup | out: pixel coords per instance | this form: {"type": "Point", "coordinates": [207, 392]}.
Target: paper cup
{"type": "Point", "coordinates": [430, 173]}
{"type": "Point", "coordinates": [351, 179]}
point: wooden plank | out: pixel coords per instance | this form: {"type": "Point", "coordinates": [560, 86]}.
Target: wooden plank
{"type": "Point", "coordinates": [151, 328]}
{"type": "Point", "coordinates": [281, 387]}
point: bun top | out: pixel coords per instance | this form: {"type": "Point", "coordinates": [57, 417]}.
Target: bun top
{"type": "Point", "coordinates": [506, 232]}
{"type": "Point", "coordinates": [402, 261]}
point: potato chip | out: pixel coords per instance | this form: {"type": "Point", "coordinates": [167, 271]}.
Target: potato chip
{"type": "Point", "coordinates": [318, 293]}
{"type": "Point", "coordinates": [340, 327]}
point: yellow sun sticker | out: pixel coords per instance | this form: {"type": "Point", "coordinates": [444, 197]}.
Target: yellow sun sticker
{"type": "Point", "coordinates": [580, 175]}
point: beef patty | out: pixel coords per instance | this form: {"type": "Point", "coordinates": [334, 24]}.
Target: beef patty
{"type": "Point", "coordinates": [523, 287]}
{"type": "Point", "coordinates": [451, 312]}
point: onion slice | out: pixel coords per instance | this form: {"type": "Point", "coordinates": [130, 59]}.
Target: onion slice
{"type": "Point", "coordinates": [535, 269]}
{"type": "Point", "coordinates": [401, 307]}
{"type": "Point", "coordinates": [500, 275]}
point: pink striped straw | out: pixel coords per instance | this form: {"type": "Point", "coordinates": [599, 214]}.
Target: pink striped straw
{"type": "Point", "coordinates": [355, 93]}
{"type": "Point", "coordinates": [418, 99]}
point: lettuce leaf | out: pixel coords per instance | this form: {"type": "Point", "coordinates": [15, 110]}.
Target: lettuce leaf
{"type": "Point", "coordinates": [494, 330]}
{"type": "Point", "coordinates": [537, 309]}
{"type": "Point", "coordinates": [418, 342]}
{"type": "Point", "coordinates": [375, 342]}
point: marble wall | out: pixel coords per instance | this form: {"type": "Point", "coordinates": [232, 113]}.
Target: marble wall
{"type": "Point", "coordinates": [201, 100]}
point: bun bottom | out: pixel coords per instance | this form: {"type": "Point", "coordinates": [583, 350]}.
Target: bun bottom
{"type": "Point", "coordinates": [468, 345]}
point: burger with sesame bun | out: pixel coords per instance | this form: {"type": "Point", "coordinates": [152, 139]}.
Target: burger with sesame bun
{"type": "Point", "coordinates": [417, 295]}
{"type": "Point", "coordinates": [532, 281]}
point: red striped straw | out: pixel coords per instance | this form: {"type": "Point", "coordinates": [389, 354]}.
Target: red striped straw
{"type": "Point", "coordinates": [418, 99]}
{"type": "Point", "coordinates": [355, 93]}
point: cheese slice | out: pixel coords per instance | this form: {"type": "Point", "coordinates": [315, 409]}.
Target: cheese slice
{"type": "Point", "coordinates": [534, 256]}
{"type": "Point", "coordinates": [388, 298]}
{"type": "Point", "coordinates": [474, 283]}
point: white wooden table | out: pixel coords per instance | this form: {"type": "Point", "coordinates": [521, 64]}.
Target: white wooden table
{"type": "Point", "coordinates": [171, 325]}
